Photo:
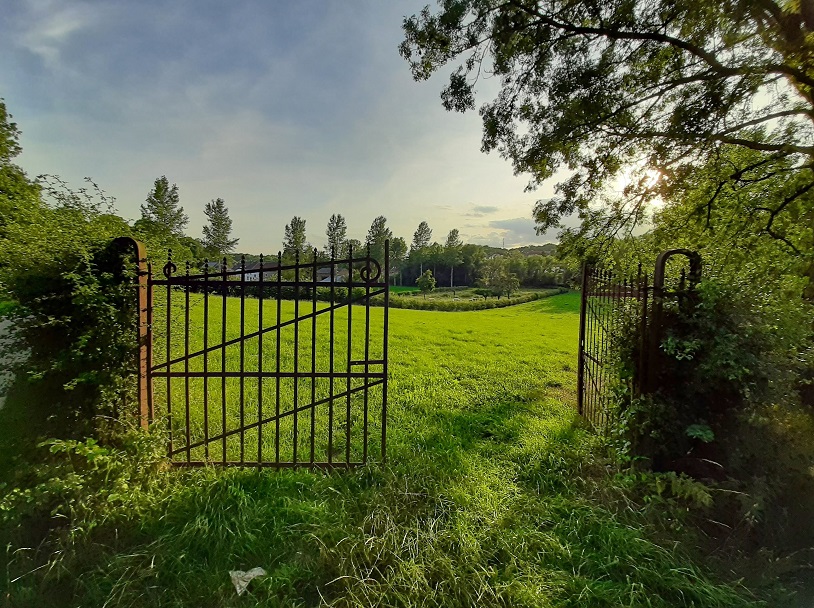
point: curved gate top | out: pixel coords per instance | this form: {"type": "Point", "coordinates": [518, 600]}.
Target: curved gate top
{"type": "Point", "coordinates": [271, 364]}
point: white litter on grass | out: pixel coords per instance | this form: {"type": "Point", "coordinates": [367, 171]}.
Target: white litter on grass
{"type": "Point", "coordinates": [241, 579]}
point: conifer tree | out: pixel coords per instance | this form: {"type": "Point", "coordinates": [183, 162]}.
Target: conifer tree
{"type": "Point", "coordinates": [294, 239]}
{"type": "Point", "coordinates": [376, 236]}
{"type": "Point", "coordinates": [162, 210]}
{"type": "Point", "coordinates": [421, 237]}
{"type": "Point", "coordinates": [216, 239]}
{"type": "Point", "coordinates": [337, 233]}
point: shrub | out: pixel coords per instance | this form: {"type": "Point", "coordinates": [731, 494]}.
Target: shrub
{"type": "Point", "coordinates": [726, 409]}
{"type": "Point", "coordinates": [74, 301]}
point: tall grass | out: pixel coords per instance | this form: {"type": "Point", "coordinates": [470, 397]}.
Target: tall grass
{"type": "Point", "coordinates": [491, 497]}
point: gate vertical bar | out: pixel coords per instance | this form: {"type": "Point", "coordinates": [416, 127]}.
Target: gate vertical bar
{"type": "Point", "coordinates": [242, 359]}
{"type": "Point", "coordinates": [186, 363]}
{"type": "Point", "coordinates": [147, 372]}
{"type": "Point", "coordinates": [384, 346]}
{"type": "Point", "coordinates": [331, 363]}
{"type": "Point", "coordinates": [168, 269]}
{"type": "Point", "coordinates": [260, 365]}
{"type": "Point", "coordinates": [349, 353]}
{"type": "Point", "coordinates": [367, 355]}
{"type": "Point", "coordinates": [223, 360]}
{"type": "Point", "coordinates": [206, 360]}
{"type": "Point", "coordinates": [296, 351]}
{"type": "Point", "coordinates": [313, 353]}
{"type": "Point", "coordinates": [590, 340]}
{"type": "Point", "coordinates": [277, 387]}
{"type": "Point", "coordinates": [581, 349]}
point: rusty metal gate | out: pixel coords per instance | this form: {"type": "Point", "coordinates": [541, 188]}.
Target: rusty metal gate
{"type": "Point", "coordinates": [271, 364]}
{"type": "Point", "coordinates": [620, 332]}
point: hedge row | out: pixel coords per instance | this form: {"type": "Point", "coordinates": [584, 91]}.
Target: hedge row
{"type": "Point", "coordinates": [340, 294]}
{"type": "Point", "coordinates": [463, 305]}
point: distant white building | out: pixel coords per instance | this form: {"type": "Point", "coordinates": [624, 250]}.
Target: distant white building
{"type": "Point", "coordinates": [253, 271]}
{"type": "Point", "coordinates": [324, 275]}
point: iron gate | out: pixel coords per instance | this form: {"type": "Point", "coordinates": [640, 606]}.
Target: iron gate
{"type": "Point", "coordinates": [267, 365]}
{"type": "Point", "coordinates": [621, 322]}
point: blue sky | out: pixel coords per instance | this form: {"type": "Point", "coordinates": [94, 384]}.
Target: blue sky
{"type": "Point", "coordinates": [280, 108]}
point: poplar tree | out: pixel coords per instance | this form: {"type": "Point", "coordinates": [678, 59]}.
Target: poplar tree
{"type": "Point", "coordinates": [418, 248]}
{"type": "Point", "coordinates": [162, 210]}
{"type": "Point", "coordinates": [376, 236]}
{"type": "Point", "coordinates": [452, 252]}
{"type": "Point", "coordinates": [421, 237]}
{"type": "Point", "coordinates": [294, 240]}
{"type": "Point", "coordinates": [216, 235]}
{"type": "Point", "coordinates": [337, 233]}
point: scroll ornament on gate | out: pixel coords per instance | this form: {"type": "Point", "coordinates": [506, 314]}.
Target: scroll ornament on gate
{"type": "Point", "coordinates": [169, 267]}
{"type": "Point", "coordinates": [367, 272]}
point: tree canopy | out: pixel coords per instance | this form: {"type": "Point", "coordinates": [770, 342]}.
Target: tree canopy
{"type": "Point", "coordinates": [17, 192]}
{"type": "Point", "coordinates": [656, 89]}
{"type": "Point", "coordinates": [426, 283]}
{"type": "Point", "coordinates": [9, 136]}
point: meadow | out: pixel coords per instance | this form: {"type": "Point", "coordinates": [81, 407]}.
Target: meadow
{"type": "Point", "coordinates": [492, 495]}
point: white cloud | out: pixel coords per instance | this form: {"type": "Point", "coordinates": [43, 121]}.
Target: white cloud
{"type": "Point", "coordinates": [47, 26]}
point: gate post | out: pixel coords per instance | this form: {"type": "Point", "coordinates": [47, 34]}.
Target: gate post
{"type": "Point", "coordinates": [581, 348]}
{"type": "Point", "coordinates": [143, 328]}
{"type": "Point", "coordinates": [658, 307]}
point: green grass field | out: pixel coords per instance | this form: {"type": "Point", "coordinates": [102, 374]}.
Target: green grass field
{"type": "Point", "coordinates": [490, 497]}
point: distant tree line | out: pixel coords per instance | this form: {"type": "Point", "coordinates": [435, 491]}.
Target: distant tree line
{"type": "Point", "coordinates": [451, 262]}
